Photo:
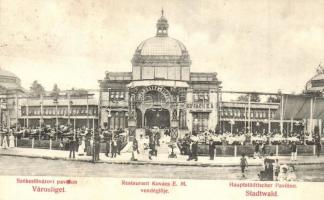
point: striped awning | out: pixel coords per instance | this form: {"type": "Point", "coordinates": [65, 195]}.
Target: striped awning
{"type": "Point", "coordinates": [299, 107]}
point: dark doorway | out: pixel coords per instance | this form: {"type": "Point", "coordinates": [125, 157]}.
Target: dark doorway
{"type": "Point", "coordinates": [157, 117]}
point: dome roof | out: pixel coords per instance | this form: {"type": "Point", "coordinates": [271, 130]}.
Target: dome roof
{"type": "Point", "coordinates": [7, 73]}
{"type": "Point", "coordinates": [161, 50]}
{"type": "Point", "coordinates": [316, 83]}
{"type": "Point", "coordinates": [318, 77]}
{"type": "Point", "coordinates": [161, 46]}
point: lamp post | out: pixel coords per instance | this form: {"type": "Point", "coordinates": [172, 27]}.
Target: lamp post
{"type": "Point", "coordinates": [109, 109]}
{"type": "Point", "coordinates": [69, 108]}
{"type": "Point", "coordinates": [232, 122]}
{"type": "Point", "coordinates": [41, 121]}
{"type": "Point", "coordinates": [55, 101]}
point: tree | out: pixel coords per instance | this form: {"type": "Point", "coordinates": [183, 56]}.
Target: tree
{"type": "Point", "coordinates": [36, 89]}
{"type": "Point", "coordinates": [78, 92]}
{"type": "Point", "coordinates": [275, 98]}
{"type": "Point", "coordinates": [56, 91]}
{"type": "Point", "coordinates": [254, 97]}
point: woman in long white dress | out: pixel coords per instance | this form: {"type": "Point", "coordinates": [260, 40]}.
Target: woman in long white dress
{"type": "Point", "coordinates": [5, 142]}
{"type": "Point", "coordinates": [82, 147]}
{"type": "Point", "coordinates": [11, 141]}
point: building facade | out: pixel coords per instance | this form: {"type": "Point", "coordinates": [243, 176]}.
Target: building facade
{"type": "Point", "coordinates": [160, 91]}
{"type": "Point", "coordinates": [10, 91]}
{"type": "Point", "coordinates": [76, 111]}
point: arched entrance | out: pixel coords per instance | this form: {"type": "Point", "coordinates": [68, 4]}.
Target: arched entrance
{"type": "Point", "coordinates": [157, 117]}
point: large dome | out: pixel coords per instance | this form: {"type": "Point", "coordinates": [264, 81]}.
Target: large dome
{"type": "Point", "coordinates": [8, 80]}
{"type": "Point", "coordinates": [161, 50]}
{"type": "Point", "coordinates": [5, 73]}
{"type": "Point", "coordinates": [163, 46]}
{"type": "Point", "coordinates": [161, 57]}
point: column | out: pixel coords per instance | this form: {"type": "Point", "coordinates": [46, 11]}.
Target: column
{"type": "Point", "coordinates": [320, 128]}
{"type": "Point", "coordinates": [269, 120]}
{"type": "Point", "coordinates": [143, 117]}
{"type": "Point", "coordinates": [88, 122]}
{"type": "Point", "coordinates": [131, 118]}
{"type": "Point", "coordinates": [213, 116]}
{"type": "Point", "coordinates": [189, 103]}
{"type": "Point", "coordinates": [27, 112]}
{"type": "Point", "coordinates": [311, 124]}
{"type": "Point", "coordinates": [249, 114]}
{"type": "Point", "coordinates": [17, 112]}
{"type": "Point", "coordinates": [174, 125]}
{"type": "Point", "coordinates": [281, 114]}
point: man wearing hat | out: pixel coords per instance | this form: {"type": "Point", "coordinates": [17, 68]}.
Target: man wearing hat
{"type": "Point", "coordinates": [211, 149]}
{"type": "Point", "coordinates": [72, 146]}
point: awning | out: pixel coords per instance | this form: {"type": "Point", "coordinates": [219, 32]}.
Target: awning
{"type": "Point", "coordinates": [299, 107]}
{"type": "Point", "coordinates": [165, 83]}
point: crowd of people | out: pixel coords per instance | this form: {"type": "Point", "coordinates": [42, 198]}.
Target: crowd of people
{"type": "Point", "coordinates": [88, 142]}
{"type": "Point", "coordinates": [241, 138]}
{"type": "Point", "coordinates": [272, 169]}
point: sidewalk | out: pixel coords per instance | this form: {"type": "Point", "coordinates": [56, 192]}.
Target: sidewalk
{"type": "Point", "coordinates": [161, 159]}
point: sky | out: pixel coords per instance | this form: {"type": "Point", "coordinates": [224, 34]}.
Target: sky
{"type": "Point", "coordinates": [253, 45]}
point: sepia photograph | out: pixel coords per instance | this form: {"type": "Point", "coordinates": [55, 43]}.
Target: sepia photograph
{"type": "Point", "coordinates": [162, 90]}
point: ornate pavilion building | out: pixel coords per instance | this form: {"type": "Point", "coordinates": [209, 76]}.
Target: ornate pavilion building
{"type": "Point", "coordinates": [161, 91]}
{"type": "Point", "coordinates": [10, 90]}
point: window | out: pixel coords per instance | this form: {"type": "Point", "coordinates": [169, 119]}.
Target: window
{"type": "Point", "coordinates": [195, 97]}
{"type": "Point", "coordinates": [112, 95]}
{"type": "Point", "coordinates": [200, 122]}
{"type": "Point", "coordinates": [206, 96]}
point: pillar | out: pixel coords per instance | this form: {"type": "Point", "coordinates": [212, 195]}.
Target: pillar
{"type": "Point", "coordinates": [281, 114]}
{"type": "Point", "coordinates": [131, 119]}
{"type": "Point", "coordinates": [320, 128]}
{"type": "Point", "coordinates": [143, 118]}
{"type": "Point", "coordinates": [213, 116]}
{"type": "Point", "coordinates": [188, 113]}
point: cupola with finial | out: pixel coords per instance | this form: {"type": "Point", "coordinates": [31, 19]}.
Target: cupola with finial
{"type": "Point", "coordinates": [162, 26]}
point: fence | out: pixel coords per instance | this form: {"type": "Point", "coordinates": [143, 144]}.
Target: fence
{"type": "Point", "coordinates": [52, 144]}
{"type": "Point", "coordinates": [237, 150]}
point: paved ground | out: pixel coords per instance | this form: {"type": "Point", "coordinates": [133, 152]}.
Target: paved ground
{"type": "Point", "coordinates": [161, 159]}
{"type": "Point", "coordinates": [24, 166]}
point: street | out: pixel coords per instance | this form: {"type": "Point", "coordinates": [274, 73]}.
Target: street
{"type": "Point", "coordinates": [22, 166]}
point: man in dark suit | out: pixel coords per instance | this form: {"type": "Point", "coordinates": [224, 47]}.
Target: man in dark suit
{"type": "Point", "coordinates": [211, 149]}
{"type": "Point", "coordinates": [119, 144]}
{"type": "Point", "coordinates": [293, 149]}
{"type": "Point", "coordinates": [72, 147]}
{"type": "Point", "coordinates": [96, 146]}
{"type": "Point", "coordinates": [151, 145]}
{"type": "Point", "coordinates": [195, 150]}
{"type": "Point", "coordinates": [107, 137]}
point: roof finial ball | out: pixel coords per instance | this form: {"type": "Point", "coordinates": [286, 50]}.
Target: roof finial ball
{"type": "Point", "coordinates": [162, 26]}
